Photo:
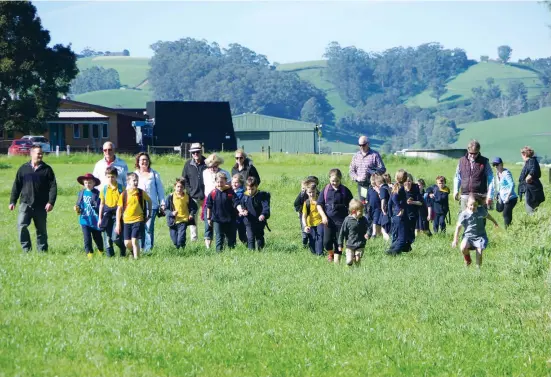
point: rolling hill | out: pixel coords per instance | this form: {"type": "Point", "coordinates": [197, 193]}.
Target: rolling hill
{"type": "Point", "coordinates": [460, 87]}
{"type": "Point", "coordinates": [504, 137]}
{"type": "Point", "coordinates": [132, 71]}
{"type": "Point", "coordinates": [117, 98]}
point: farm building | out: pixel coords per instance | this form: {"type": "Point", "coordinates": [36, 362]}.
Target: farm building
{"type": "Point", "coordinates": [255, 132]}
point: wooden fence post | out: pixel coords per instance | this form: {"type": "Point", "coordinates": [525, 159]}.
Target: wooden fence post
{"type": "Point", "coordinates": [182, 150]}
{"type": "Point", "coordinates": [269, 149]}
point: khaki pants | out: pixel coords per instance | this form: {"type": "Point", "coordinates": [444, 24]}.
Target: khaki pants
{"type": "Point", "coordinates": [193, 228]}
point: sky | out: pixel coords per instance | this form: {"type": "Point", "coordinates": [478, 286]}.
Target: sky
{"type": "Point", "coordinates": [292, 31]}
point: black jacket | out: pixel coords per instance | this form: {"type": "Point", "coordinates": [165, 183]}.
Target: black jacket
{"type": "Point", "coordinates": [256, 205]}
{"type": "Point", "coordinates": [248, 171]}
{"type": "Point", "coordinates": [533, 191]}
{"type": "Point", "coordinates": [193, 178]}
{"type": "Point", "coordinates": [169, 208]}
{"type": "Point", "coordinates": [353, 231]}
{"type": "Point", "coordinates": [36, 187]}
{"type": "Point", "coordinates": [299, 201]}
{"type": "Point", "coordinates": [222, 205]}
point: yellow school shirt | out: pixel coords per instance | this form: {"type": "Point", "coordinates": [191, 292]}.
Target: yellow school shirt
{"type": "Point", "coordinates": [112, 195]}
{"type": "Point", "coordinates": [133, 212]}
{"type": "Point", "coordinates": [180, 204]}
{"type": "Point", "coordinates": [314, 217]}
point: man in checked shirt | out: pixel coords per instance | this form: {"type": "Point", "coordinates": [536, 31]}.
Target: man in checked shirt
{"type": "Point", "coordinates": [365, 163]}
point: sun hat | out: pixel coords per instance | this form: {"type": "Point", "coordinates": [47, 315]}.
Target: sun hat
{"type": "Point", "coordinates": [195, 147]}
{"type": "Point", "coordinates": [88, 176]}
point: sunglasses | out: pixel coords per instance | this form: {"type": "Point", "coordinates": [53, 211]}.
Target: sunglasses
{"type": "Point", "coordinates": [239, 158]}
{"type": "Point", "coordinates": [107, 150]}
{"type": "Point", "coordinates": [195, 152]}
{"type": "Point", "coordinates": [362, 145]}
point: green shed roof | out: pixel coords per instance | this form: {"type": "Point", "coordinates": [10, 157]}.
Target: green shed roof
{"type": "Point", "coordinates": [258, 122]}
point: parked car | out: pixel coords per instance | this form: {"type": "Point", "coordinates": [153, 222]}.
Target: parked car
{"type": "Point", "coordinates": [39, 140]}
{"type": "Point", "coordinates": [20, 147]}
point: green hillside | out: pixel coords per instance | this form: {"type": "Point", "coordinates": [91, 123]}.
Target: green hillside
{"type": "Point", "coordinates": [132, 71]}
{"type": "Point", "coordinates": [126, 98]}
{"type": "Point", "coordinates": [313, 71]}
{"type": "Point", "coordinates": [460, 87]}
{"type": "Point", "coordinates": [505, 136]}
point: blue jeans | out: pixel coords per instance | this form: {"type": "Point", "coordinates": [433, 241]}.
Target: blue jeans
{"type": "Point", "coordinates": [315, 239]}
{"type": "Point", "coordinates": [224, 231]}
{"type": "Point", "coordinates": [148, 238]}
{"type": "Point", "coordinates": [111, 237]}
{"type": "Point", "coordinates": [178, 235]}
{"type": "Point", "coordinates": [90, 233]}
{"type": "Point", "coordinates": [38, 216]}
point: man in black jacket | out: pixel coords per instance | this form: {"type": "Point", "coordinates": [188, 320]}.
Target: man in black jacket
{"type": "Point", "coordinates": [193, 179]}
{"type": "Point", "coordinates": [35, 183]}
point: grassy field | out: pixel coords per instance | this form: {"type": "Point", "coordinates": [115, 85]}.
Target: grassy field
{"type": "Point", "coordinates": [460, 87]}
{"type": "Point", "coordinates": [125, 98]}
{"type": "Point", "coordinates": [505, 136]}
{"type": "Point", "coordinates": [281, 312]}
{"type": "Point", "coordinates": [132, 70]}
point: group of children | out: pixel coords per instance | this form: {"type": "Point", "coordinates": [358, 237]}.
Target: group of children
{"type": "Point", "coordinates": [330, 218]}
{"type": "Point", "coordinates": [121, 212]}
{"type": "Point", "coordinates": [398, 211]}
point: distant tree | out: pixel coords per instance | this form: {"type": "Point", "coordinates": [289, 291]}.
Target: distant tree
{"type": "Point", "coordinates": [504, 53]}
{"type": "Point", "coordinates": [125, 52]}
{"type": "Point", "coordinates": [87, 52]}
{"type": "Point", "coordinates": [518, 96]}
{"type": "Point", "coordinates": [438, 89]}
{"type": "Point", "coordinates": [95, 78]}
{"type": "Point", "coordinates": [484, 58]}
{"type": "Point", "coordinates": [312, 111]}
{"type": "Point", "coordinates": [32, 74]}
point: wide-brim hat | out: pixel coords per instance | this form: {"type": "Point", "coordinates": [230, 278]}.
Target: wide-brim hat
{"type": "Point", "coordinates": [87, 177]}
{"type": "Point", "coordinates": [195, 147]}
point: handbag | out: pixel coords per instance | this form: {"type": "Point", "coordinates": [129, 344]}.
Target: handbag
{"type": "Point", "coordinates": [161, 211]}
{"type": "Point", "coordinates": [500, 206]}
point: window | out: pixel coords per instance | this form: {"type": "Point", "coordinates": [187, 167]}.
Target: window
{"type": "Point", "coordinates": [95, 131]}
{"type": "Point", "coordinates": [105, 130]}
{"type": "Point", "coordinates": [85, 131]}
{"type": "Point", "coordinates": [76, 131]}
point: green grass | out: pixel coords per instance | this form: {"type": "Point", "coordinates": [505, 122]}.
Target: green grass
{"type": "Point", "coordinates": [132, 70]}
{"type": "Point", "coordinates": [505, 136]}
{"type": "Point", "coordinates": [279, 312]}
{"type": "Point", "coordinates": [460, 87]}
{"type": "Point", "coordinates": [315, 73]}
{"type": "Point", "coordinates": [125, 98]}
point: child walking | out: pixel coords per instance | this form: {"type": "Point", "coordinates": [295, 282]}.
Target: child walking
{"type": "Point", "coordinates": [374, 207]}
{"type": "Point", "coordinates": [333, 208]}
{"type": "Point", "coordinates": [472, 219]}
{"type": "Point", "coordinates": [134, 209]}
{"type": "Point", "coordinates": [414, 203]}
{"type": "Point", "coordinates": [109, 197]}
{"type": "Point", "coordinates": [425, 211]}
{"type": "Point", "coordinates": [180, 210]}
{"type": "Point", "coordinates": [354, 231]}
{"type": "Point", "coordinates": [87, 206]}
{"type": "Point", "coordinates": [312, 221]}
{"type": "Point", "coordinates": [397, 211]}
{"type": "Point", "coordinates": [383, 191]}
{"type": "Point", "coordinates": [255, 209]}
{"type": "Point", "coordinates": [221, 214]}
{"type": "Point", "coordinates": [299, 202]}
{"type": "Point", "coordinates": [237, 183]}
{"type": "Point", "coordinates": [440, 204]}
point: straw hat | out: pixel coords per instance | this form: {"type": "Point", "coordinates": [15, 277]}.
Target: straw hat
{"type": "Point", "coordinates": [195, 147]}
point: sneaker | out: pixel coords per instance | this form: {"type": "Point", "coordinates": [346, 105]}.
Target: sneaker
{"type": "Point", "coordinates": [90, 255]}
{"type": "Point", "coordinates": [100, 253]}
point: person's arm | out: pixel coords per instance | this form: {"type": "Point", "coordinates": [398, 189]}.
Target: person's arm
{"type": "Point", "coordinates": [489, 217]}
{"type": "Point", "coordinates": [160, 189]}
{"type": "Point", "coordinates": [379, 165]}
{"type": "Point", "coordinates": [322, 214]}
{"type": "Point", "coordinates": [209, 210]}
{"type": "Point", "coordinates": [265, 208]}
{"type": "Point", "coordinates": [16, 188]}
{"type": "Point", "coordinates": [489, 180]}
{"type": "Point", "coordinates": [456, 234]}
{"type": "Point", "coordinates": [119, 217]}
{"type": "Point", "coordinates": [457, 182]}
{"type": "Point", "coordinates": [343, 234]}
{"type": "Point", "coordinates": [52, 196]}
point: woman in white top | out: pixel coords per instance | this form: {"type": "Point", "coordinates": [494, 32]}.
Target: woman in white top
{"type": "Point", "coordinates": [150, 182]}
{"type": "Point", "coordinates": [213, 163]}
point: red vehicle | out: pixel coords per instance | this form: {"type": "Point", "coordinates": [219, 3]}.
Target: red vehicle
{"type": "Point", "coordinates": [20, 147]}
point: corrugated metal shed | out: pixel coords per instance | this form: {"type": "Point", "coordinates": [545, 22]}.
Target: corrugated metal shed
{"type": "Point", "coordinates": [255, 131]}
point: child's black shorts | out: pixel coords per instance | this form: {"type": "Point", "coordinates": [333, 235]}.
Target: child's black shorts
{"type": "Point", "coordinates": [134, 230]}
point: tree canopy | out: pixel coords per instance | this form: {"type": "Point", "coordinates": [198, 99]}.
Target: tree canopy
{"type": "Point", "coordinates": [96, 78]}
{"type": "Point", "coordinates": [32, 75]}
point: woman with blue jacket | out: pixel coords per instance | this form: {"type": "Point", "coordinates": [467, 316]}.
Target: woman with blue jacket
{"type": "Point", "coordinates": [505, 186]}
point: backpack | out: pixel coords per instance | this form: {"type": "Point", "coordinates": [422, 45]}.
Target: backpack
{"type": "Point", "coordinates": [140, 200]}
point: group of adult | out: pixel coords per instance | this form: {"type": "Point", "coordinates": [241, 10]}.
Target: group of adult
{"type": "Point", "coordinates": [36, 188]}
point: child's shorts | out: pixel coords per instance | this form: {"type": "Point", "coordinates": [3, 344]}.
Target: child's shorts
{"type": "Point", "coordinates": [474, 243]}
{"type": "Point", "coordinates": [134, 230]}
{"type": "Point", "coordinates": [351, 253]}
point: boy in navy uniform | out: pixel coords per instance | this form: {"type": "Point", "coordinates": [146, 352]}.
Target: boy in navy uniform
{"type": "Point", "coordinates": [255, 209]}
{"type": "Point", "coordinates": [221, 214]}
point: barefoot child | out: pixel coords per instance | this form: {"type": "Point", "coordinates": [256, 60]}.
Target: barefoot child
{"type": "Point", "coordinates": [311, 220]}
{"type": "Point", "coordinates": [134, 209]}
{"type": "Point", "coordinates": [354, 231]}
{"type": "Point", "coordinates": [474, 236]}
{"type": "Point", "coordinates": [180, 210]}
{"type": "Point", "coordinates": [87, 207]}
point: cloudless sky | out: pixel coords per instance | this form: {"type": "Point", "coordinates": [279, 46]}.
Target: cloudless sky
{"type": "Point", "coordinates": [288, 31]}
